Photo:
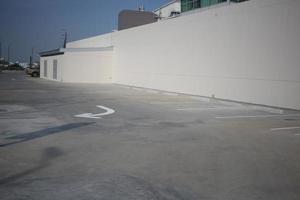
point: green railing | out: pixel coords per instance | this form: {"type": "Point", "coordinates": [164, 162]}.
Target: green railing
{"type": "Point", "coordinates": [187, 5]}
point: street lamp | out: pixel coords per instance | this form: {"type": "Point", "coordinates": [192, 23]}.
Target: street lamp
{"type": "Point", "coordinates": [0, 50]}
{"type": "Point", "coordinates": [31, 58]}
{"type": "Point", "coordinates": [65, 35]}
{"type": "Point", "coordinates": [8, 54]}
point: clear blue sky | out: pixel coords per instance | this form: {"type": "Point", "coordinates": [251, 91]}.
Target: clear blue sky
{"type": "Point", "coordinates": [41, 23]}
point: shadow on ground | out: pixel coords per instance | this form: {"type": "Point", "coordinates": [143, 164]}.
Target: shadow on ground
{"type": "Point", "coordinates": [48, 155]}
{"type": "Point", "coordinates": [43, 133]}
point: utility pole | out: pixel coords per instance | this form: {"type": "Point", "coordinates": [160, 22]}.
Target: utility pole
{"type": "Point", "coordinates": [8, 54]}
{"type": "Point", "coordinates": [65, 40]}
{"type": "Point", "coordinates": [0, 50]}
{"type": "Point", "coordinates": [31, 58]}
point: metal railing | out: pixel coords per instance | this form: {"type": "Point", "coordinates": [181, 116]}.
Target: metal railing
{"type": "Point", "coordinates": [187, 5]}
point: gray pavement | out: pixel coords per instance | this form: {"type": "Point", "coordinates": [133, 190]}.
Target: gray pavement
{"type": "Point", "coordinates": [155, 146]}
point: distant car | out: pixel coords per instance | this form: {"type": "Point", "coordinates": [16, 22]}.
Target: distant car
{"type": "Point", "coordinates": [27, 70]}
{"type": "Point", "coordinates": [33, 71]}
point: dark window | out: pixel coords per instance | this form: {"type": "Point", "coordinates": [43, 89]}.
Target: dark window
{"type": "Point", "coordinates": [45, 68]}
{"type": "Point", "coordinates": [55, 69]}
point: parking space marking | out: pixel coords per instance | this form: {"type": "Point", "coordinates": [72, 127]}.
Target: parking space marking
{"type": "Point", "coordinates": [175, 102]}
{"type": "Point", "coordinates": [257, 116]}
{"type": "Point", "coordinates": [212, 107]}
{"type": "Point", "coordinates": [297, 134]}
{"type": "Point", "coordinates": [285, 128]}
{"type": "Point", "coordinates": [183, 109]}
{"type": "Point", "coordinates": [138, 89]}
{"type": "Point", "coordinates": [108, 111]}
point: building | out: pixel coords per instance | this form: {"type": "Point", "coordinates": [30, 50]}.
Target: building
{"type": "Point", "coordinates": [247, 52]}
{"type": "Point", "coordinates": [81, 64]}
{"type": "Point", "coordinates": [170, 9]}
{"type": "Point", "coordinates": [132, 18]}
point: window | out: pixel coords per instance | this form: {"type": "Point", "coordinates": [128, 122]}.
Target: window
{"type": "Point", "coordinates": [205, 3]}
{"type": "Point", "coordinates": [187, 5]}
{"type": "Point", "coordinates": [55, 69]}
{"type": "Point", "coordinates": [45, 68]}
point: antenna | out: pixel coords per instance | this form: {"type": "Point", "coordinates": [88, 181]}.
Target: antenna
{"type": "Point", "coordinates": [31, 58]}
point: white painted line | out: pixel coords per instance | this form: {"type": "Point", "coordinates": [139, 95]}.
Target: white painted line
{"type": "Point", "coordinates": [210, 108]}
{"type": "Point", "coordinates": [257, 116]}
{"type": "Point", "coordinates": [297, 134]}
{"type": "Point", "coordinates": [87, 115]}
{"type": "Point", "coordinates": [267, 109]}
{"type": "Point", "coordinates": [174, 102]}
{"type": "Point", "coordinates": [138, 89]}
{"type": "Point", "coordinates": [108, 111]}
{"type": "Point", "coordinates": [182, 109]}
{"type": "Point", "coordinates": [285, 128]}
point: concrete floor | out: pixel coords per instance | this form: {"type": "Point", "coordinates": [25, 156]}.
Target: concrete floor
{"type": "Point", "coordinates": [155, 146]}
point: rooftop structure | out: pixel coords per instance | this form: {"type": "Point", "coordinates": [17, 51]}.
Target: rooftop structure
{"type": "Point", "coordinates": [132, 18]}
{"type": "Point", "coordinates": [168, 10]}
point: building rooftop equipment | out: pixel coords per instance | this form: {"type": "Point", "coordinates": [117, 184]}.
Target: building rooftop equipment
{"type": "Point", "coordinates": [133, 18]}
{"type": "Point", "coordinates": [169, 9]}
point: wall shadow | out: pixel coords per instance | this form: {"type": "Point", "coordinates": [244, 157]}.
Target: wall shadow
{"type": "Point", "coordinates": [43, 133]}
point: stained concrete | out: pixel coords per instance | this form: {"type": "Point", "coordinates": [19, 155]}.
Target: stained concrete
{"type": "Point", "coordinates": [155, 146]}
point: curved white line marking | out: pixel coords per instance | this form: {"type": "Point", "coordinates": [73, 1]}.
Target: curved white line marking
{"type": "Point", "coordinates": [108, 111]}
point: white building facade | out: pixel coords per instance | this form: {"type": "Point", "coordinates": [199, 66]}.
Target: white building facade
{"type": "Point", "coordinates": [83, 61]}
{"type": "Point", "coordinates": [248, 52]}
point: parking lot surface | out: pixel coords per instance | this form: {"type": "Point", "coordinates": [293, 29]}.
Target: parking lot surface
{"type": "Point", "coordinates": [107, 141]}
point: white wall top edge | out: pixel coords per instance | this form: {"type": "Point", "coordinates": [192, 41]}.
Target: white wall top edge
{"type": "Point", "coordinates": [110, 48]}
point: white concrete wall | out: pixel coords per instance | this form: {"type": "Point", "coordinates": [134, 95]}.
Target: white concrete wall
{"type": "Point", "coordinates": [87, 67]}
{"type": "Point", "coordinates": [246, 52]}
{"type": "Point", "coordinates": [90, 66]}
{"type": "Point", "coordinates": [60, 64]}
{"type": "Point", "coordinates": [80, 67]}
